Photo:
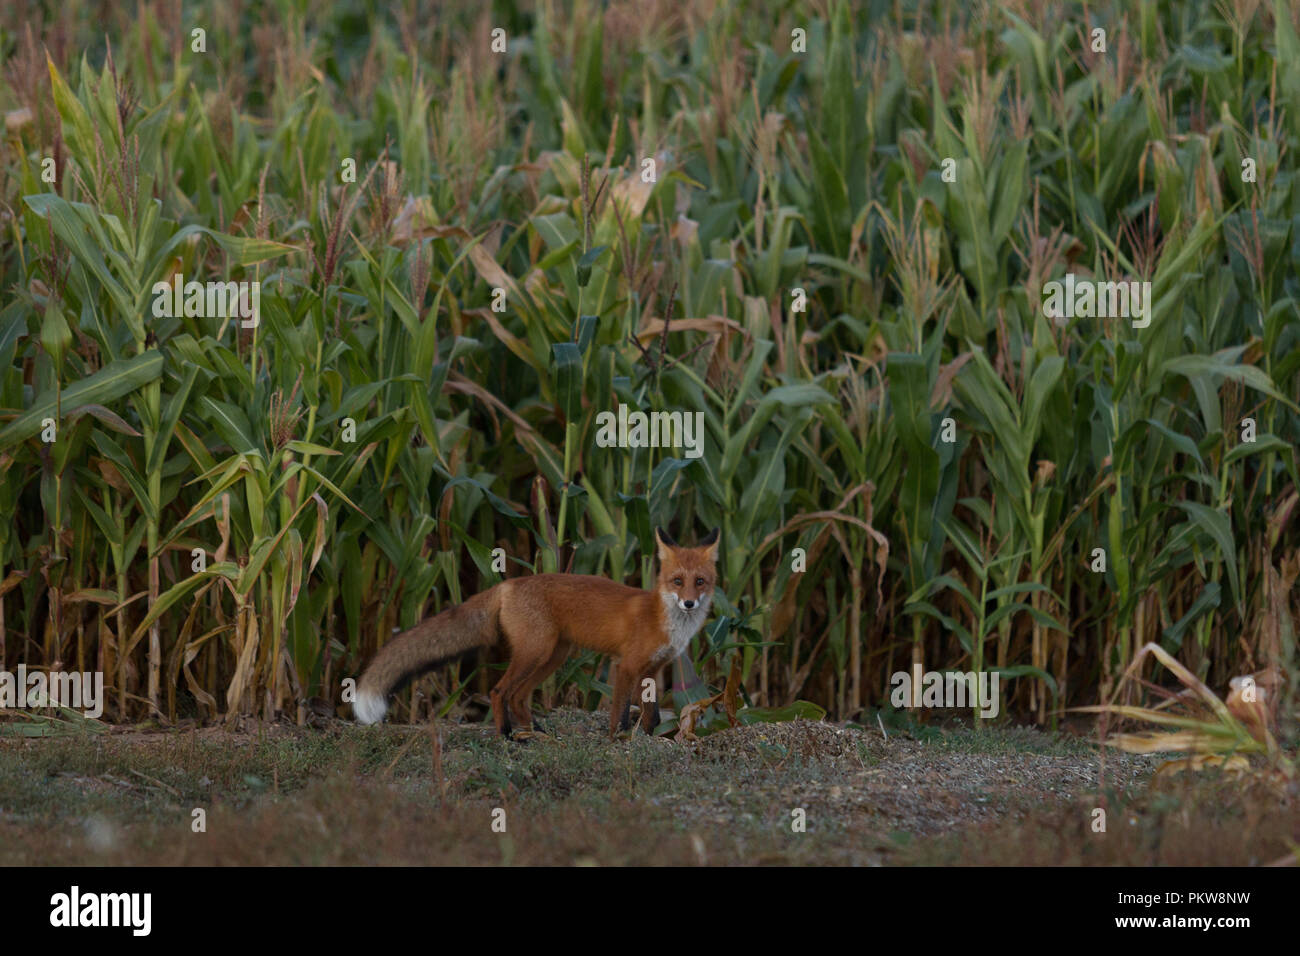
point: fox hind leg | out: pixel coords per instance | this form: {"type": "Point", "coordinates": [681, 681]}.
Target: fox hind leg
{"type": "Point", "coordinates": [523, 692]}
{"type": "Point", "coordinates": [499, 696]}
{"type": "Point", "coordinates": [504, 708]}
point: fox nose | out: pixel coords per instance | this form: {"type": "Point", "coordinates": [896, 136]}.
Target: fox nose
{"type": "Point", "coordinates": [688, 604]}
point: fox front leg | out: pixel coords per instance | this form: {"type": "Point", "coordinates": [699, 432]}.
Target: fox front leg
{"type": "Point", "coordinates": [649, 708]}
{"type": "Point", "coordinates": [620, 704]}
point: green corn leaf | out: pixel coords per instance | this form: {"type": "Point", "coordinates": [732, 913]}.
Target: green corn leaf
{"type": "Point", "coordinates": [105, 386]}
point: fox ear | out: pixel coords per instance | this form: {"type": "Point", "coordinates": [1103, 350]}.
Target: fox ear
{"type": "Point", "coordinates": [665, 542]}
{"type": "Point", "coordinates": [710, 541]}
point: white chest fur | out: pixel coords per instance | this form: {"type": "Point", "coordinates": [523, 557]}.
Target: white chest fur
{"type": "Point", "coordinates": [680, 624]}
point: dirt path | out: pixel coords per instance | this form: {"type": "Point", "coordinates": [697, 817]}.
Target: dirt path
{"type": "Point", "coordinates": [793, 793]}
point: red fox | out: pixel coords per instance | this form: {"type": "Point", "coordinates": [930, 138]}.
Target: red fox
{"type": "Point", "coordinates": [541, 617]}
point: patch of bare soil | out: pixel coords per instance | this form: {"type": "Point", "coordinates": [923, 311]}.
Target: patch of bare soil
{"type": "Point", "coordinates": [898, 783]}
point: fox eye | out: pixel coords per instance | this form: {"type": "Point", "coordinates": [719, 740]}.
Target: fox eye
{"type": "Point", "coordinates": [677, 582]}
{"type": "Point", "coordinates": [699, 582]}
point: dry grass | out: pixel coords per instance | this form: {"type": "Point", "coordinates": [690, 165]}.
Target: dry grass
{"type": "Point", "coordinates": [346, 795]}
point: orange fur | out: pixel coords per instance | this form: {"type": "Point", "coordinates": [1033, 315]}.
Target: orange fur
{"type": "Point", "coordinates": [541, 617]}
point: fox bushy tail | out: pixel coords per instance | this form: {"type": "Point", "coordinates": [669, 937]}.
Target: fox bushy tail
{"type": "Point", "coordinates": [475, 623]}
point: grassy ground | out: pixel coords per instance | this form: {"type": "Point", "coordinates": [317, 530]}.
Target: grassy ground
{"type": "Point", "coordinates": [340, 794]}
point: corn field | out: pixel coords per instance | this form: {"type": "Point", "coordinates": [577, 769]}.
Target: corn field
{"type": "Point", "coordinates": [826, 228]}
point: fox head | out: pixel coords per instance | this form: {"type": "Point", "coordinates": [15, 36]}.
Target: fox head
{"type": "Point", "coordinates": [687, 575]}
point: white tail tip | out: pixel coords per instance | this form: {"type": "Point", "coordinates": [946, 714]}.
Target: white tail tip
{"type": "Point", "coordinates": [369, 707]}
